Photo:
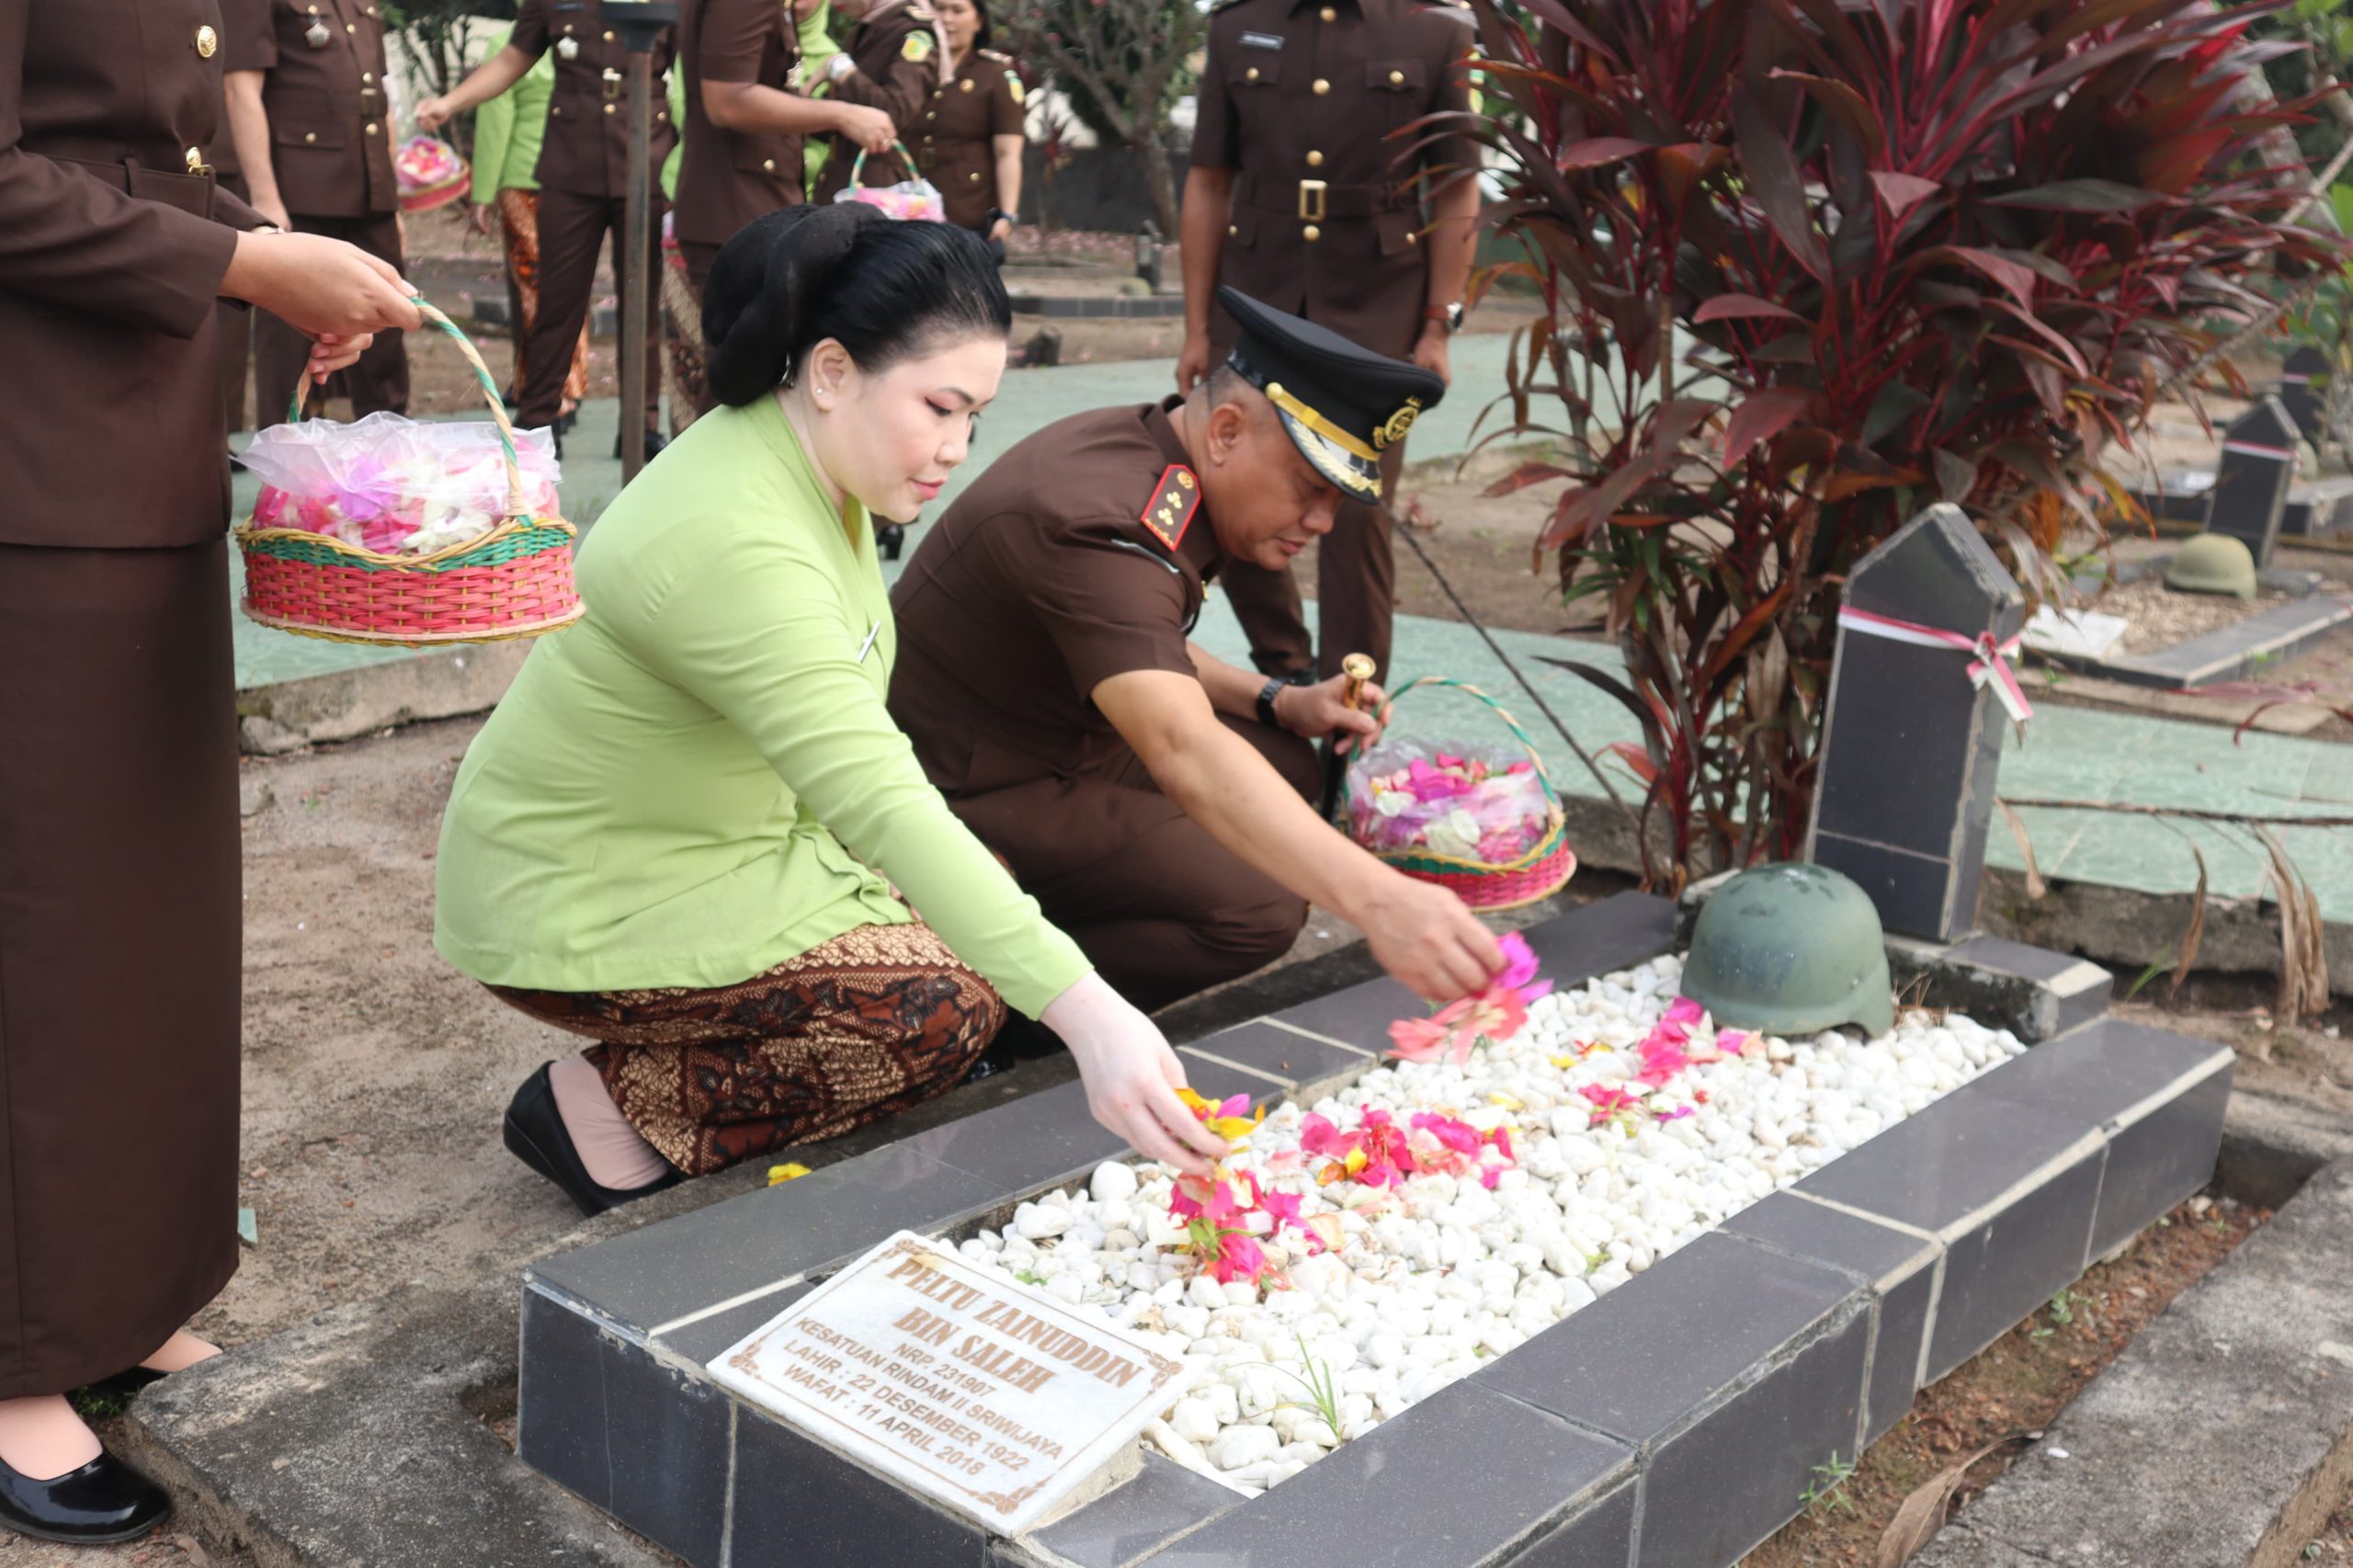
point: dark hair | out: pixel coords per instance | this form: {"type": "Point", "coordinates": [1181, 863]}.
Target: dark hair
{"type": "Point", "coordinates": [884, 288]}
{"type": "Point", "coordinates": [981, 33]}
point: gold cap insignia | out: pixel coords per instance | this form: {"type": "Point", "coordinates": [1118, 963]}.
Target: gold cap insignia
{"type": "Point", "coordinates": [1393, 430]}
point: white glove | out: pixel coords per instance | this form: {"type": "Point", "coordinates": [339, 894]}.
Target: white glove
{"type": "Point", "coordinates": [1132, 1077]}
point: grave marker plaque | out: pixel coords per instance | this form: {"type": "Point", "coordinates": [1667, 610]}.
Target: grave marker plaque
{"type": "Point", "coordinates": [2303, 381]}
{"type": "Point", "coordinates": [2251, 483]}
{"type": "Point", "coordinates": [990, 1399]}
{"type": "Point", "coordinates": [1910, 743]}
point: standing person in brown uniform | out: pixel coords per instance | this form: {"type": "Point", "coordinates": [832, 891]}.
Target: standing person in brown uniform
{"type": "Point", "coordinates": [1149, 795]}
{"type": "Point", "coordinates": [890, 61]}
{"type": "Point", "coordinates": [745, 122]}
{"type": "Point", "coordinates": [120, 943]}
{"type": "Point", "coordinates": [974, 128]}
{"type": "Point", "coordinates": [315, 136]}
{"type": "Point", "coordinates": [584, 187]}
{"type": "Point", "coordinates": [1295, 197]}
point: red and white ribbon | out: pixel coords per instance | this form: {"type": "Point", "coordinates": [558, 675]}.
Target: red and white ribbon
{"type": "Point", "coordinates": [1991, 663]}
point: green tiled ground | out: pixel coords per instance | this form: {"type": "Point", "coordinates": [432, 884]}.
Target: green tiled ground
{"type": "Point", "coordinates": [2069, 754]}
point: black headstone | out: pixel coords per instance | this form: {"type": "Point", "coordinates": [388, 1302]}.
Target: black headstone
{"type": "Point", "coordinates": [2303, 389]}
{"type": "Point", "coordinates": [2258, 462]}
{"type": "Point", "coordinates": [1904, 785]}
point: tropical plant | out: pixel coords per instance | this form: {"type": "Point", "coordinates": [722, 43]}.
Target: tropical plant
{"type": "Point", "coordinates": [1123, 64]}
{"type": "Point", "coordinates": [1812, 265]}
{"type": "Point", "coordinates": [434, 35]}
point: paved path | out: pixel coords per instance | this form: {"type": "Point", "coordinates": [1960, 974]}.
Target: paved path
{"type": "Point", "coordinates": [2071, 753]}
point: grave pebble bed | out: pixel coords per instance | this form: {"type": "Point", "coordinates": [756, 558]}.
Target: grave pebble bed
{"type": "Point", "coordinates": [1585, 1176]}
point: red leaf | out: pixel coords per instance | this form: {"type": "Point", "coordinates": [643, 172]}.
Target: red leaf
{"type": "Point", "coordinates": [1523, 476]}
{"type": "Point", "coordinates": [1764, 415]}
{"type": "Point", "coordinates": [1776, 182]}
{"type": "Point", "coordinates": [2066, 351]}
{"type": "Point", "coordinates": [1682, 166]}
{"type": "Point", "coordinates": [1731, 307]}
{"type": "Point", "coordinates": [1598, 151]}
{"type": "Point", "coordinates": [2017, 280]}
{"type": "Point", "coordinates": [1636, 759]}
{"type": "Point", "coordinates": [1903, 192]}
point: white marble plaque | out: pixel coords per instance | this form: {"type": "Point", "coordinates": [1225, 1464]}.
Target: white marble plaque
{"type": "Point", "coordinates": [992, 1399]}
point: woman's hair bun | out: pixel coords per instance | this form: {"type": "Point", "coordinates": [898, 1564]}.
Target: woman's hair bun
{"type": "Point", "coordinates": [840, 270]}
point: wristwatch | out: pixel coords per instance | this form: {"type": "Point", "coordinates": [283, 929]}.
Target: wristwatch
{"type": "Point", "coordinates": [1266, 695]}
{"type": "Point", "coordinates": [1012, 219]}
{"type": "Point", "coordinates": [1447, 316]}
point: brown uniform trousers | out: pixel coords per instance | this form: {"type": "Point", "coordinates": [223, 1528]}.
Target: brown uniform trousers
{"type": "Point", "coordinates": [728, 178]}
{"type": "Point", "coordinates": [119, 911]}
{"type": "Point", "coordinates": [957, 151]}
{"type": "Point", "coordinates": [897, 55]}
{"type": "Point", "coordinates": [584, 193]}
{"type": "Point", "coordinates": [330, 145]}
{"type": "Point", "coordinates": [1298, 97]}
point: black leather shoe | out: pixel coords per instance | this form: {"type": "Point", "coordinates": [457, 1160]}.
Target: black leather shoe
{"type": "Point", "coordinates": [537, 1136]}
{"type": "Point", "coordinates": [655, 442]}
{"type": "Point", "coordinates": [890, 540]}
{"type": "Point", "coordinates": [105, 1500]}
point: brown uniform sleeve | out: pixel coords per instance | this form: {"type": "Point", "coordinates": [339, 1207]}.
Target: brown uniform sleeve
{"type": "Point", "coordinates": [1110, 609]}
{"type": "Point", "coordinates": [733, 40]}
{"type": "Point", "coordinates": [1006, 115]}
{"type": "Point", "coordinates": [531, 34]}
{"type": "Point", "coordinates": [72, 239]}
{"type": "Point", "coordinates": [248, 40]}
{"type": "Point", "coordinates": [233, 211]}
{"type": "Point", "coordinates": [906, 85]}
{"type": "Point", "coordinates": [1216, 134]}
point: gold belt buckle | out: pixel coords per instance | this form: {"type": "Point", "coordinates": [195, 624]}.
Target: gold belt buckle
{"type": "Point", "coordinates": [1311, 201]}
{"type": "Point", "coordinates": [614, 81]}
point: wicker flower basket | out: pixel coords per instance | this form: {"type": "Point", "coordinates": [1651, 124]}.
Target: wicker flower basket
{"type": "Point", "coordinates": [513, 582]}
{"type": "Point", "coordinates": [1541, 870]}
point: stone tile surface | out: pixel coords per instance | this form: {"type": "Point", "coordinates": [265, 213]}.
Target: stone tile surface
{"type": "Point", "coordinates": [1609, 934]}
{"type": "Point", "coordinates": [703, 1340]}
{"type": "Point", "coordinates": [1281, 1054]}
{"type": "Point", "coordinates": [1133, 1519]}
{"type": "Point", "coordinates": [1954, 1158]}
{"type": "Point", "coordinates": [2158, 1161]}
{"type": "Point", "coordinates": [1457, 1479]}
{"type": "Point", "coordinates": [800, 1506]}
{"type": "Point", "coordinates": [1600, 1535]}
{"type": "Point", "coordinates": [2013, 1261]}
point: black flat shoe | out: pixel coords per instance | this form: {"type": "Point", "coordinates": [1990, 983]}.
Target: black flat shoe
{"type": "Point", "coordinates": [537, 1136]}
{"type": "Point", "coordinates": [103, 1501]}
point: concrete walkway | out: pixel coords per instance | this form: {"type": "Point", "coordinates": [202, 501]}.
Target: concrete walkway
{"type": "Point", "coordinates": [2072, 753]}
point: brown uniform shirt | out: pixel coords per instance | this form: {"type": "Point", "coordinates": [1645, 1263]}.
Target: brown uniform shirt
{"type": "Point", "coordinates": [330, 133]}
{"type": "Point", "coordinates": [585, 152]}
{"type": "Point", "coordinates": [1301, 91]}
{"type": "Point", "coordinates": [730, 178]}
{"type": "Point", "coordinates": [1059, 567]}
{"type": "Point", "coordinates": [111, 253]}
{"type": "Point", "coordinates": [955, 153]}
{"type": "Point", "coordinates": [897, 56]}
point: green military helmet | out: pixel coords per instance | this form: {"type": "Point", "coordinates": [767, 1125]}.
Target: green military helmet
{"type": "Point", "coordinates": [1790, 949]}
{"type": "Point", "coordinates": [2212, 563]}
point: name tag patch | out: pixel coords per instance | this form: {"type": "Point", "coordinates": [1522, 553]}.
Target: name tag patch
{"type": "Point", "coordinates": [1262, 40]}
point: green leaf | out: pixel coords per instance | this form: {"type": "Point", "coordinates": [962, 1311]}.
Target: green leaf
{"type": "Point", "coordinates": [2079, 196]}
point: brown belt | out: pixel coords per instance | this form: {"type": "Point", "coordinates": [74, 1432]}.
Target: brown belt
{"type": "Point", "coordinates": [1315, 200]}
{"type": "Point", "coordinates": [187, 191]}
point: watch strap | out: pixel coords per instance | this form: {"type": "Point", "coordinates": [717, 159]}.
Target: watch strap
{"type": "Point", "coordinates": [1266, 694]}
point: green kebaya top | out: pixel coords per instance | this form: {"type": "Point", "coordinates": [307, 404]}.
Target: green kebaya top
{"type": "Point", "coordinates": [699, 780]}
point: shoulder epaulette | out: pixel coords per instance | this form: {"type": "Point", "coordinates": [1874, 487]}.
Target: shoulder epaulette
{"type": "Point", "coordinates": [1174, 500]}
{"type": "Point", "coordinates": [1000, 58]}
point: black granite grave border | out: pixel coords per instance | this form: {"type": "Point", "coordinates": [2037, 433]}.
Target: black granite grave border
{"type": "Point", "coordinates": [1801, 1329]}
{"type": "Point", "coordinates": [2232, 652]}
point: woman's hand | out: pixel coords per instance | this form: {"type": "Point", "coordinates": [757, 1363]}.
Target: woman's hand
{"type": "Point", "coordinates": [480, 218]}
{"type": "Point", "coordinates": [1002, 227]}
{"type": "Point", "coordinates": [318, 286]}
{"type": "Point", "coordinates": [433, 114]}
{"type": "Point", "coordinates": [331, 352]}
{"type": "Point", "coordinates": [1132, 1077]}
{"type": "Point", "coordinates": [867, 127]}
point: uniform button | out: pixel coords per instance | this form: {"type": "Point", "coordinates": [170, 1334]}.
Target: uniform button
{"type": "Point", "coordinates": [555, 109]}
{"type": "Point", "coordinates": [1311, 234]}
{"type": "Point", "coordinates": [609, 35]}
{"type": "Point", "coordinates": [351, 27]}
{"type": "Point", "coordinates": [609, 109]}
{"type": "Point", "coordinates": [1396, 78]}
{"type": "Point", "coordinates": [309, 136]}
{"type": "Point", "coordinates": [372, 127]}
{"type": "Point", "coordinates": [931, 114]}
{"type": "Point", "coordinates": [1250, 74]}
{"type": "Point", "coordinates": [207, 42]}
{"type": "Point", "coordinates": [1328, 14]}
{"type": "Point", "coordinates": [1322, 86]}
{"type": "Point", "coordinates": [975, 175]}
{"type": "Point", "coordinates": [1314, 159]}
{"type": "Point", "coordinates": [1413, 237]}
{"type": "Point", "coordinates": [768, 164]}
{"type": "Point", "coordinates": [1232, 230]}
{"type": "Point", "coordinates": [368, 76]}
{"type": "Point", "coordinates": [965, 87]}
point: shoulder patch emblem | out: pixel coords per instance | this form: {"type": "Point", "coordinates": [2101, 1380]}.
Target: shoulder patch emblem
{"type": "Point", "coordinates": [916, 47]}
{"type": "Point", "coordinates": [1013, 88]}
{"type": "Point", "coordinates": [1174, 501]}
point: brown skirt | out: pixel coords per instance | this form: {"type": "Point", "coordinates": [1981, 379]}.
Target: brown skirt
{"type": "Point", "coordinates": [855, 1029]}
{"type": "Point", "coordinates": [119, 955]}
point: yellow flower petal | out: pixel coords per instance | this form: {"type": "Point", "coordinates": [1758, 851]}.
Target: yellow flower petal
{"type": "Point", "coordinates": [1506, 1101]}
{"type": "Point", "coordinates": [779, 1175]}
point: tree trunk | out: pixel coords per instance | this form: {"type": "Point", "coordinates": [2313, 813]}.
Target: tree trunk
{"type": "Point", "coordinates": [1151, 149]}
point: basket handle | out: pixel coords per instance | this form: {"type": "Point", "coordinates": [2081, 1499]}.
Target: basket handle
{"type": "Point", "coordinates": [434, 318]}
{"type": "Point", "coordinates": [858, 163]}
{"type": "Point", "coordinates": [1543, 774]}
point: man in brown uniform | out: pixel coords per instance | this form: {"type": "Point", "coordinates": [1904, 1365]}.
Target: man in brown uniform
{"type": "Point", "coordinates": [745, 121]}
{"type": "Point", "coordinates": [890, 62]}
{"type": "Point", "coordinates": [1294, 197]}
{"type": "Point", "coordinates": [1148, 794]}
{"type": "Point", "coordinates": [308, 110]}
{"type": "Point", "coordinates": [584, 185]}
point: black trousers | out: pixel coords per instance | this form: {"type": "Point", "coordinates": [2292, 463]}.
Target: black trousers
{"type": "Point", "coordinates": [379, 382]}
{"type": "Point", "coordinates": [572, 228]}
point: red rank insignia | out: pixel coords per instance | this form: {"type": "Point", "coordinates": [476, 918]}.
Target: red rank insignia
{"type": "Point", "coordinates": [1170, 511]}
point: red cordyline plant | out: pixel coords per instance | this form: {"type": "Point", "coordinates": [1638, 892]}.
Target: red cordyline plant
{"type": "Point", "coordinates": [1812, 265]}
